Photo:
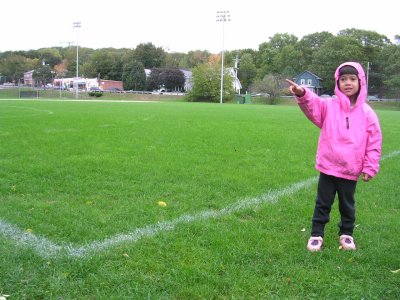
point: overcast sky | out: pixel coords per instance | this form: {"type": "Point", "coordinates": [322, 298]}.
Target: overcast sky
{"type": "Point", "coordinates": [183, 25]}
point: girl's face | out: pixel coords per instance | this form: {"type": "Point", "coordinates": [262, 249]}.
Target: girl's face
{"type": "Point", "coordinates": [349, 85]}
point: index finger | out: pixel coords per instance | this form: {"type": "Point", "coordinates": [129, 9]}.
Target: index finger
{"type": "Point", "coordinates": [292, 83]}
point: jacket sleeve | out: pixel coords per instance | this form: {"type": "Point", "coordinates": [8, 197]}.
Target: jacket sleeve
{"type": "Point", "coordinates": [313, 107]}
{"type": "Point", "coordinates": [374, 145]}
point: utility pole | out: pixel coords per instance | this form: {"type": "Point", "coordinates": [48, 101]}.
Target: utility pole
{"type": "Point", "coordinates": [367, 78]}
{"type": "Point", "coordinates": [236, 72]}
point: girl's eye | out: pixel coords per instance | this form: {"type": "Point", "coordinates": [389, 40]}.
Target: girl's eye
{"type": "Point", "coordinates": [343, 79]}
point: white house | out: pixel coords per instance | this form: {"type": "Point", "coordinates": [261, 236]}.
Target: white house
{"type": "Point", "coordinates": [236, 82]}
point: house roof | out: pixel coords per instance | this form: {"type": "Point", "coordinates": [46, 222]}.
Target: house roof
{"type": "Point", "coordinates": [316, 76]}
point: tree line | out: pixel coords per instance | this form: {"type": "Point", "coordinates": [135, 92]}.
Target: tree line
{"type": "Point", "coordinates": [283, 55]}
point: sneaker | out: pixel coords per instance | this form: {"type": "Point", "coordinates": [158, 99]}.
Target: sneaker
{"type": "Point", "coordinates": [347, 242]}
{"type": "Point", "coordinates": [315, 243]}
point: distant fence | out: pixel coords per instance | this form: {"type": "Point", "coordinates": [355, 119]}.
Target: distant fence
{"type": "Point", "coordinates": [19, 92]}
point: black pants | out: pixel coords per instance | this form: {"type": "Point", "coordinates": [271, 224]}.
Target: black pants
{"type": "Point", "coordinates": [328, 186]}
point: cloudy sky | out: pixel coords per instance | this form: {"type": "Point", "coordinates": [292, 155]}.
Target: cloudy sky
{"type": "Point", "coordinates": [183, 25]}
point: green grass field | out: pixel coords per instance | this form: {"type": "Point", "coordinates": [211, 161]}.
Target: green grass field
{"type": "Point", "coordinates": [80, 184]}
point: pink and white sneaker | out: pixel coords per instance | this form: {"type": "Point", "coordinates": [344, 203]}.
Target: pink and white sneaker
{"type": "Point", "coordinates": [315, 243]}
{"type": "Point", "coordinates": [347, 242]}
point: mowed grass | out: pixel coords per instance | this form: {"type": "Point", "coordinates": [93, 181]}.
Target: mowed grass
{"type": "Point", "coordinates": [80, 172]}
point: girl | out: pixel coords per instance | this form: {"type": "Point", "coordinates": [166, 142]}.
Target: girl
{"type": "Point", "coordinates": [349, 146]}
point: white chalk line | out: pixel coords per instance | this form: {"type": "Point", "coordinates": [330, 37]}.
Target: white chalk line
{"type": "Point", "coordinates": [29, 109]}
{"type": "Point", "coordinates": [83, 100]}
{"type": "Point", "coordinates": [46, 249]}
{"type": "Point", "coordinates": [391, 155]}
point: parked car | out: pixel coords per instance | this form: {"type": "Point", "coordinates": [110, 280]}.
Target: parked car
{"type": "Point", "coordinates": [114, 90]}
{"type": "Point", "coordinates": [266, 95]}
{"type": "Point", "coordinates": [373, 98]}
{"type": "Point", "coordinates": [95, 89]}
{"type": "Point", "coordinates": [325, 96]}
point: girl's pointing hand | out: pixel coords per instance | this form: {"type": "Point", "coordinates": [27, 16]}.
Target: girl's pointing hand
{"type": "Point", "coordinates": [295, 89]}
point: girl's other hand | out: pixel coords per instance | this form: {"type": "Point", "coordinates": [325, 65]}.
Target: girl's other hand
{"type": "Point", "coordinates": [366, 177]}
{"type": "Point", "coordinates": [295, 89]}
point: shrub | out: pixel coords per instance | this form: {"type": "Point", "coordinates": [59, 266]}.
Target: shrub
{"type": "Point", "coordinates": [95, 94]}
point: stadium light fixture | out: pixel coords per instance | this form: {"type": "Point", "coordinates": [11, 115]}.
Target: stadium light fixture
{"type": "Point", "coordinates": [77, 25]}
{"type": "Point", "coordinates": [223, 16]}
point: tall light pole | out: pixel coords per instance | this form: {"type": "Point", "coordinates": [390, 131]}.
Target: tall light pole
{"type": "Point", "coordinates": [77, 25]}
{"type": "Point", "coordinates": [222, 16]}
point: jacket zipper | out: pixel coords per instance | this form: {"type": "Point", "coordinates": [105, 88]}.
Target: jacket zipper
{"type": "Point", "coordinates": [347, 122]}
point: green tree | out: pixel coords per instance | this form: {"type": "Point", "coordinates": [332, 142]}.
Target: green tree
{"type": "Point", "coordinates": [366, 37]}
{"type": "Point", "coordinates": [310, 44]}
{"type": "Point", "coordinates": [43, 75]}
{"type": "Point", "coordinates": [134, 76]}
{"type": "Point", "coordinates": [150, 56]}
{"type": "Point", "coordinates": [88, 69]}
{"type": "Point", "coordinates": [280, 40]}
{"type": "Point", "coordinates": [271, 85]}
{"type": "Point", "coordinates": [207, 84]}
{"type": "Point", "coordinates": [172, 79]}
{"type": "Point", "coordinates": [390, 65]}
{"type": "Point", "coordinates": [331, 54]}
{"type": "Point", "coordinates": [175, 60]}
{"type": "Point", "coordinates": [372, 43]}
{"type": "Point", "coordinates": [50, 56]}
{"type": "Point", "coordinates": [288, 61]}
{"type": "Point", "coordinates": [247, 71]}
{"type": "Point", "coordinates": [105, 63]}
{"type": "Point", "coordinates": [85, 55]}
{"type": "Point", "coordinates": [269, 59]}
{"type": "Point", "coordinates": [13, 66]}
{"type": "Point", "coordinates": [195, 58]}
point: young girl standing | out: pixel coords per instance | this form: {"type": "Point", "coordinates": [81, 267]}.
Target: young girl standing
{"type": "Point", "coordinates": [349, 146]}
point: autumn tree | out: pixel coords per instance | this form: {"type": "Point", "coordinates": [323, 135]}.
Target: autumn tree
{"type": "Point", "coordinates": [61, 69]}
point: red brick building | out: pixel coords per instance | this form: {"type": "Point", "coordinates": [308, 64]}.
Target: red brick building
{"type": "Point", "coordinates": [106, 85]}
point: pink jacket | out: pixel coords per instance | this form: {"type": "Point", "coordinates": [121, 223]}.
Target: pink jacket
{"type": "Point", "coordinates": [350, 139]}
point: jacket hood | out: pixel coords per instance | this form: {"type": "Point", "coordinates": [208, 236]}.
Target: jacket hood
{"type": "Point", "coordinates": [362, 95]}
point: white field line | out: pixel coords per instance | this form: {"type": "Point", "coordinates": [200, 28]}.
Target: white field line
{"type": "Point", "coordinates": [32, 109]}
{"type": "Point", "coordinates": [390, 155]}
{"type": "Point", "coordinates": [46, 248]}
{"type": "Point", "coordinates": [82, 100]}
{"type": "Point", "coordinates": [43, 246]}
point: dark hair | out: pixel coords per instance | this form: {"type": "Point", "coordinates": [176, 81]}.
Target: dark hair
{"type": "Point", "coordinates": [348, 70]}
